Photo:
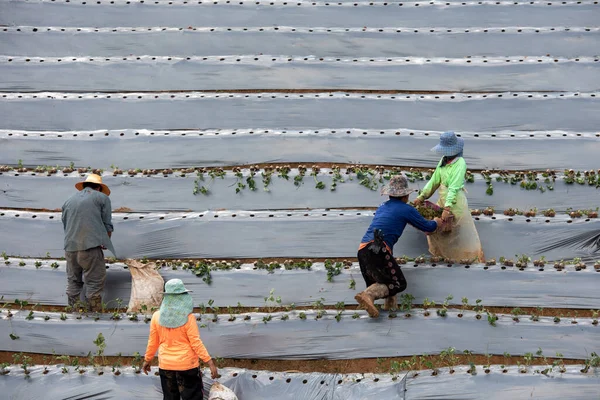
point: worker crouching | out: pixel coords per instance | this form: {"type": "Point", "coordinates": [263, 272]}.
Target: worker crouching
{"type": "Point", "coordinates": [381, 272]}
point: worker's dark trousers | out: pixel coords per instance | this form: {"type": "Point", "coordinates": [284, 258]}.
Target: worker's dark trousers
{"type": "Point", "coordinates": [181, 385]}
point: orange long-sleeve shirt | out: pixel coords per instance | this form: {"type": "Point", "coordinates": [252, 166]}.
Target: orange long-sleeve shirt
{"type": "Point", "coordinates": [178, 348]}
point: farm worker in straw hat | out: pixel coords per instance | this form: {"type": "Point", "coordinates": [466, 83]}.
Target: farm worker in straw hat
{"type": "Point", "coordinates": [462, 241]}
{"type": "Point", "coordinates": [379, 268]}
{"type": "Point", "coordinates": [86, 218]}
{"type": "Point", "coordinates": [174, 333]}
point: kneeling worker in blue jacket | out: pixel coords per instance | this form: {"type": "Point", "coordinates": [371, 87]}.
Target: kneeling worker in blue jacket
{"type": "Point", "coordinates": [379, 268]}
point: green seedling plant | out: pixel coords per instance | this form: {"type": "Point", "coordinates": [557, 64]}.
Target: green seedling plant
{"type": "Point", "coordinates": [333, 269]}
{"type": "Point", "coordinates": [535, 315]}
{"type": "Point", "coordinates": [352, 285]}
{"type": "Point", "coordinates": [487, 366]}
{"type": "Point", "coordinates": [4, 368]}
{"type": "Point", "coordinates": [302, 315]}
{"type": "Point", "coordinates": [540, 354]}
{"type": "Point", "coordinates": [593, 361]}
{"type": "Point", "coordinates": [320, 307]}
{"type": "Point", "coordinates": [449, 357]}
{"type": "Point", "coordinates": [202, 270]}
{"type": "Point", "coordinates": [272, 302]}
{"type": "Point", "coordinates": [465, 306]}
{"type": "Point", "coordinates": [13, 336]}
{"type": "Point", "coordinates": [595, 317]}
{"type": "Point", "coordinates": [528, 358]}
{"type": "Point", "coordinates": [355, 315]}
{"type": "Point", "coordinates": [339, 306]}
{"type": "Point", "coordinates": [116, 368]}
{"type": "Point", "coordinates": [406, 303]}
{"type": "Point", "coordinates": [559, 363]}
{"type": "Point", "coordinates": [516, 312]}
{"type": "Point", "coordinates": [137, 362]}
{"type": "Point", "coordinates": [443, 312]}
{"type": "Point", "coordinates": [478, 308]}
{"type": "Point", "coordinates": [492, 318]}
{"type": "Point", "coordinates": [426, 305]}
{"type": "Point", "coordinates": [472, 368]}
{"type": "Point", "coordinates": [100, 343]}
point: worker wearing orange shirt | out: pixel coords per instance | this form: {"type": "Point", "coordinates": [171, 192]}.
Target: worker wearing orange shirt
{"type": "Point", "coordinates": [174, 333]}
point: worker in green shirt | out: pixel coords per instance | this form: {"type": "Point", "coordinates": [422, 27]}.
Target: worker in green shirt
{"type": "Point", "coordinates": [461, 241]}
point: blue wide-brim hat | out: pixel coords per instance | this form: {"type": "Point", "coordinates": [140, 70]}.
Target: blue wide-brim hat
{"type": "Point", "coordinates": [176, 306]}
{"type": "Point", "coordinates": [450, 145]}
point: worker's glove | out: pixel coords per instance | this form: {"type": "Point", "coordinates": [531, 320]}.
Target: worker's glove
{"type": "Point", "coordinates": [418, 201]}
{"type": "Point", "coordinates": [446, 214]}
{"type": "Point", "coordinates": [146, 367]}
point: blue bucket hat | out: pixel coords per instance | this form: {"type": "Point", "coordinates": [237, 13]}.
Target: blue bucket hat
{"type": "Point", "coordinates": [450, 145]}
{"type": "Point", "coordinates": [176, 306]}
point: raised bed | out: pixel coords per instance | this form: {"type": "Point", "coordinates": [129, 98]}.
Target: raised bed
{"type": "Point", "coordinates": [303, 336]}
{"type": "Point", "coordinates": [51, 111]}
{"type": "Point", "coordinates": [461, 14]}
{"type": "Point", "coordinates": [48, 41]}
{"type": "Point", "coordinates": [45, 283]}
{"type": "Point", "coordinates": [334, 233]}
{"type": "Point", "coordinates": [301, 71]}
{"type": "Point", "coordinates": [259, 385]}
{"type": "Point", "coordinates": [139, 192]}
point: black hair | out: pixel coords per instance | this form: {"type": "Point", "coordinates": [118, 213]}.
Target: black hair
{"type": "Point", "coordinates": [92, 185]}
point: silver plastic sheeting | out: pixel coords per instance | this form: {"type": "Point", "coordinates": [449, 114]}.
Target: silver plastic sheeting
{"type": "Point", "coordinates": [575, 112]}
{"type": "Point", "coordinates": [310, 338]}
{"type": "Point", "coordinates": [175, 193]}
{"type": "Point", "coordinates": [138, 148]}
{"type": "Point", "coordinates": [262, 385]}
{"type": "Point", "coordinates": [494, 285]}
{"type": "Point", "coordinates": [406, 14]}
{"type": "Point", "coordinates": [336, 42]}
{"type": "Point", "coordinates": [244, 234]}
{"type": "Point", "coordinates": [513, 384]}
{"type": "Point", "coordinates": [151, 73]}
{"type": "Point", "coordinates": [247, 384]}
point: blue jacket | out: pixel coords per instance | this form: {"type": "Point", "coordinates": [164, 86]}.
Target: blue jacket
{"type": "Point", "coordinates": [392, 216]}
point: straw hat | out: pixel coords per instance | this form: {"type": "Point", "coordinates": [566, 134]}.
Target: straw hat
{"type": "Point", "coordinates": [398, 187]}
{"type": "Point", "coordinates": [97, 179]}
{"type": "Point", "coordinates": [450, 145]}
{"type": "Point", "coordinates": [177, 304]}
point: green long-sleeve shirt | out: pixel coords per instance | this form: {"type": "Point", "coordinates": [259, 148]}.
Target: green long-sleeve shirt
{"type": "Point", "coordinates": [452, 176]}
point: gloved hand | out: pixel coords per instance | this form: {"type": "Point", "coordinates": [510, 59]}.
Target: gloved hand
{"type": "Point", "coordinates": [446, 214]}
{"type": "Point", "coordinates": [418, 201]}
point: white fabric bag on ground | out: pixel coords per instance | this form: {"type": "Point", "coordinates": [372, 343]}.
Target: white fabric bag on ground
{"type": "Point", "coordinates": [220, 392]}
{"type": "Point", "coordinates": [146, 286]}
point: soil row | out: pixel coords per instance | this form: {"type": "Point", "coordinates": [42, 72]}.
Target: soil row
{"type": "Point", "coordinates": [364, 365]}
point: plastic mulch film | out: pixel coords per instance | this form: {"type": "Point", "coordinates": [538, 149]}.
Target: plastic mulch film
{"type": "Point", "coordinates": [302, 335]}
{"type": "Point", "coordinates": [493, 284]}
{"type": "Point", "coordinates": [175, 193]}
{"type": "Point", "coordinates": [261, 234]}
{"type": "Point", "coordinates": [580, 112]}
{"type": "Point", "coordinates": [132, 149]}
{"type": "Point", "coordinates": [512, 384]}
{"type": "Point", "coordinates": [259, 385]}
{"type": "Point", "coordinates": [164, 73]}
{"type": "Point", "coordinates": [361, 41]}
{"type": "Point", "coordinates": [119, 14]}
{"type": "Point", "coordinates": [247, 384]}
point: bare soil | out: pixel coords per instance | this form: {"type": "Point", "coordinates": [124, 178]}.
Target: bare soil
{"type": "Point", "coordinates": [364, 365]}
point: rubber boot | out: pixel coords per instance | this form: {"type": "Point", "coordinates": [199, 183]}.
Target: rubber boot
{"type": "Point", "coordinates": [391, 303]}
{"type": "Point", "coordinates": [95, 303]}
{"type": "Point", "coordinates": [74, 302]}
{"type": "Point", "coordinates": [367, 297]}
